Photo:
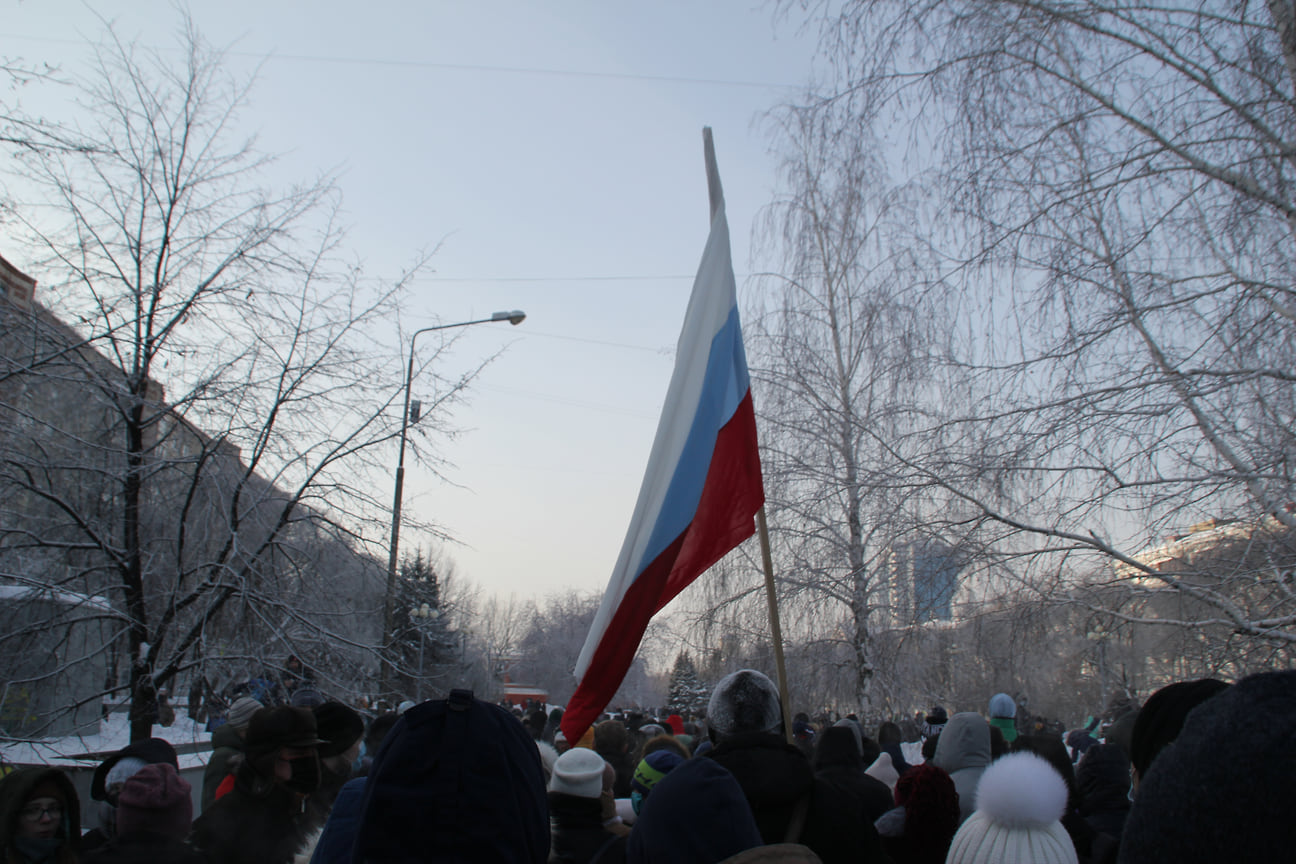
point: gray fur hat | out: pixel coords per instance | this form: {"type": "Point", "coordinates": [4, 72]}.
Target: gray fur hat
{"type": "Point", "coordinates": [744, 701]}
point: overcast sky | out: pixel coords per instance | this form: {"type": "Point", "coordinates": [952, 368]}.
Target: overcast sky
{"type": "Point", "coordinates": [554, 152]}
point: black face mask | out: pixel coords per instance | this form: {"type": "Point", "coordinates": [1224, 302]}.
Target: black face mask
{"type": "Point", "coordinates": [305, 775]}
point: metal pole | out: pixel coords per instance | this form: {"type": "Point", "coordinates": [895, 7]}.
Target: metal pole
{"type": "Point", "coordinates": [387, 681]}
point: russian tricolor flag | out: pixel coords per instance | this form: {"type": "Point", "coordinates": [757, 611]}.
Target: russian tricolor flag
{"type": "Point", "coordinates": [702, 486]}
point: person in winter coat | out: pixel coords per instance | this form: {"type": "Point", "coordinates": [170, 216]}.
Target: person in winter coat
{"type": "Point", "coordinates": [40, 818]}
{"type": "Point", "coordinates": [696, 815]}
{"type": "Point", "coordinates": [612, 742]}
{"type": "Point", "coordinates": [227, 747]}
{"type": "Point", "coordinates": [576, 811]}
{"type": "Point", "coordinates": [154, 816]}
{"type": "Point", "coordinates": [264, 818]}
{"type": "Point", "coordinates": [838, 759]}
{"type": "Point", "coordinates": [109, 777]}
{"type": "Point", "coordinates": [342, 728]}
{"type": "Point", "coordinates": [919, 831]}
{"type": "Point", "coordinates": [889, 738]}
{"type": "Point", "coordinates": [1103, 784]}
{"type": "Point", "coordinates": [963, 751]}
{"type": "Point", "coordinates": [789, 803]}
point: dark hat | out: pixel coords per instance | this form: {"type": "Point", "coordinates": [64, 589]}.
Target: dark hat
{"type": "Point", "coordinates": [156, 799]}
{"type": "Point", "coordinates": [152, 751]}
{"type": "Point", "coordinates": [283, 726]}
{"type": "Point", "coordinates": [937, 715]}
{"type": "Point", "coordinates": [744, 701]}
{"type": "Point", "coordinates": [339, 725]}
{"type": "Point", "coordinates": [1222, 790]}
{"type": "Point", "coordinates": [1160, 719]}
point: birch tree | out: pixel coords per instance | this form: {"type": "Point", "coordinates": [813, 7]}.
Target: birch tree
{"type": "Point", "coordinates": [1117, 183]}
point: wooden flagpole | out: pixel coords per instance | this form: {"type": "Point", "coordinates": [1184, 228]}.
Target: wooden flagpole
{"type": "Point", "coordinates": [716, 194]}
{"type": "Point", "coordinates": [776, 630]}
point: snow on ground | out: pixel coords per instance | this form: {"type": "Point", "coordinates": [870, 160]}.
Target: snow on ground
{"type": "Point", "coordinates": [114, 734]}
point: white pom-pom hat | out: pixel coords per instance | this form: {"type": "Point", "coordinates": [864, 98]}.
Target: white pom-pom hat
{"type": "Point", "coordinates": [1019, 806]}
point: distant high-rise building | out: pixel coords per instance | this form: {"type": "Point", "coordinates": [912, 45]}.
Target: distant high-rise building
{"type": "Point", "coordinates": [922, 581]}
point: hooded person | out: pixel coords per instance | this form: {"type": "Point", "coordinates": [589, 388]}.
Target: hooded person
{"type": "Point", "coordinates": [1222, 790]}
{"type": "Point", "coordinates": [112, 773]}
{"type": "Point", "coordinates": [40, 817]}
{"type": "Point", "coordinates": [696, 814]}
{"type": "Point", "coordinates": [964, 752]}
{"type": "Point", "coordinates": [342, 729]}
{"type": "Point", "coordinates": [458, 779]}
{"type": "Point", "coordinates": [789, 803]}
{"type": "Point", "coordinates": [576, 811]}
{"type": "Point", "coordinates": [227, 747]}
{"type": "Point", "coordinates": [839, 759]}
{"type": "Point", "coordinates": [1019, 805]}
{"type": "Point", "coordinates": [154, 816]}
{"type": "Point", "coordinates": [264, 817]}
{"type": "Point", "coordinates": [1003, 716]}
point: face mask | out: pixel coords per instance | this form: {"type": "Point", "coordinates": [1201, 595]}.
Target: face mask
{"type": "Point", "coordinates": [305, 775]}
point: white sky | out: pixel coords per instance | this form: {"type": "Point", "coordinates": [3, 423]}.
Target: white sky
{"type": "Point", "coordinates": [555, 151]}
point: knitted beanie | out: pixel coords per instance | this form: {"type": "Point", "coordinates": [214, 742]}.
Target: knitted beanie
{"type": "Point", "coordinates": [157, 800]}
{"type": "Point", "coordinates": [934, 722]}
{"type": "Point", "coordinates": [240, 713]}
{"type": "Point", "coordinates": [1020, 802]}
{"type": "Point", "coordinates": [1162, 716]}
{"type": "Point", "coordinates": [652, 768]}
{"type": "Point", "coordinates": [1002, 705]}
{"type": "Point", "coordinates": [578, 772]}
{"type": "Point", "coordinates": [744, 701]}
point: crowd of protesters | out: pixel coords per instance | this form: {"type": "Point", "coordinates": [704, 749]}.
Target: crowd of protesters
{"type": "Point", "coordinates": [1200, 772]}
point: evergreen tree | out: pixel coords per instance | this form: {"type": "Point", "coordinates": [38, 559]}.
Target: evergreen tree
{"type": "Point", "coordinates": [689, 694]}
{"type": "Point", "coordinates": [427, 645]}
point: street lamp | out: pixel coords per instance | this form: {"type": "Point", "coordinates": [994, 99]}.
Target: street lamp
{"type": "Point", "coordinates": [517, 316]}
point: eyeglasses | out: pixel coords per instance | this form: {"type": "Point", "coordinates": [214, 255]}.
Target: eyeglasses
{"type": "Point", "coordinates": [36, 812]}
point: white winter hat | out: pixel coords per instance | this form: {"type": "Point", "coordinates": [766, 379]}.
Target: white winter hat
{"type": "Point", "coordinates": [1019, 804]}
{"type": "Point", "coordinates": [578, 772]}
{"type": "Point", "coordinates": [744, 701]}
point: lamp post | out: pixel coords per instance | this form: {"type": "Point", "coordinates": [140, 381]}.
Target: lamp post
{"type": "Point", "coordinates": [515, 317]}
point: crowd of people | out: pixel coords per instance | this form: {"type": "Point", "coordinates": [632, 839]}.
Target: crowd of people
{"type": "Point", "coordinates": [1200, 772]}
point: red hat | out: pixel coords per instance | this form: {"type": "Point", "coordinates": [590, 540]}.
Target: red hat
{"type": "Point", "coordinates": [157, 800]}
{"type": "Point", "coordinates": [676, 723]}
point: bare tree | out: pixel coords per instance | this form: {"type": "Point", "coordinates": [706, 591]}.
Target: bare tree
{"type": "Point", "coordinates": [193, 435]}
{"type": "Point", "coordinates": [1116, 190]}
{"type": "Point", "coordinates": [847, 360]}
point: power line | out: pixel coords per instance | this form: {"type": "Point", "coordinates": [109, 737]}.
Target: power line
{"type": "Point", "coordinates": [464, 67]}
